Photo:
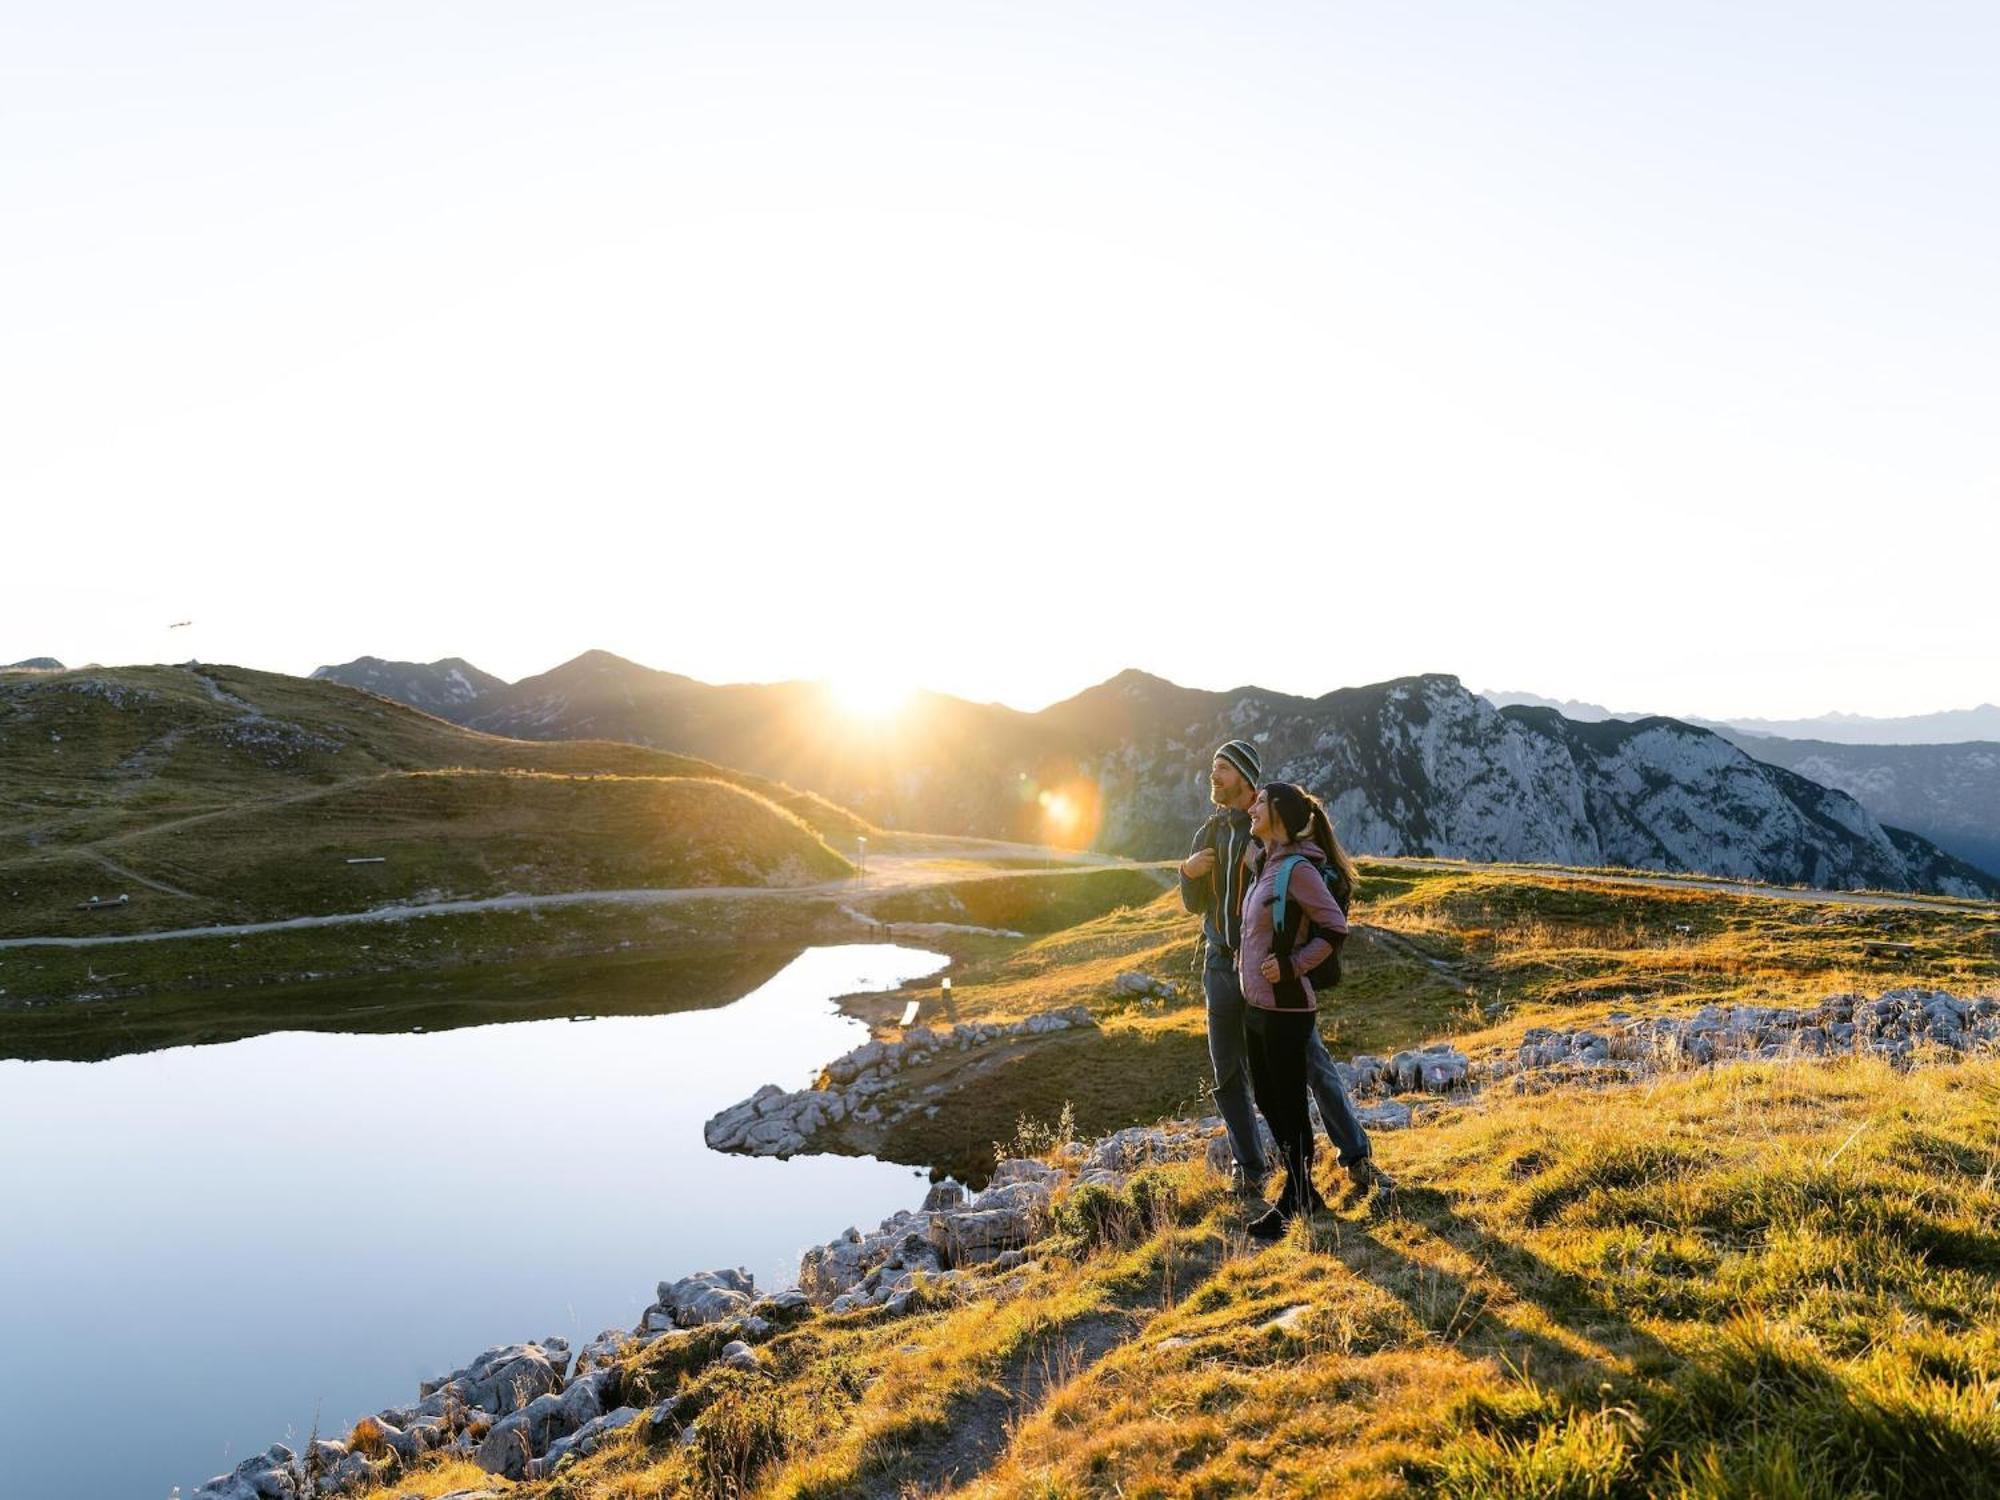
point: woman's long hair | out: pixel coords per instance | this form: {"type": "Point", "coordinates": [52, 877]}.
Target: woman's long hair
{"type": "Point", "coordinates": [1304, 816]}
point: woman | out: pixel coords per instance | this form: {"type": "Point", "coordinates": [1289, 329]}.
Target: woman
{"type": "Point", "coordinates": [1282, 1009]}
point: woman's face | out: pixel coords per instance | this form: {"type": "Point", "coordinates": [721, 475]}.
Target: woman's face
{"type": "Point", "coordinates": [1261, 820]}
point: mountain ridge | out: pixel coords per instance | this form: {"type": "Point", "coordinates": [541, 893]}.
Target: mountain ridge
{"type": "Point", "coordinates": [1416, 765]}
{"type": "Point", "coordinates": [1949, 726]}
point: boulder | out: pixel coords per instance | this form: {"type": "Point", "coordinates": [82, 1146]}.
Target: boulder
{"type": "Point", "coordinates": [1439, 1071]}
{"type": "Point", "coordinates": [980, 1234]}
{"type": "Point", "coordinates": [585, 1440]}
{"type": "Point", "coordinates": [1390, 1114]}
{"type": "Point", "coordinates": [602, 1351]}
{"type": "Point", "coordinates": [524, 1435]}
{"type": "Point", "coordinates": [274, 1474]}
{"type": "Point", "coordinates": [779, 1307]}
{"type": "Point", "coordinates": [503, 1379]}
{"type": "Point", "coordinates": [1143, 986]}
{"type": "Point", "coordinates": [703, 1298]}
{"type": "Point", "coordinates": [1403, 1073]}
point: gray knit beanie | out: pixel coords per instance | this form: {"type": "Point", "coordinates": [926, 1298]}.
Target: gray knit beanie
{"type": "Point", "coordinates": [1243, 755]}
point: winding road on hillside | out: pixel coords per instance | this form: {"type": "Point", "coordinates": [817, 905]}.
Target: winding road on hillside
{"type": "Point", "coordinates": [887, 872]}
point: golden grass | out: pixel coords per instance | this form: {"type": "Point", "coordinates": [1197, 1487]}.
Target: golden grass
{"type": "Point", "coordinates": [1766, 1279]}
{"type": "Point", "coordinates": [1475, 956]}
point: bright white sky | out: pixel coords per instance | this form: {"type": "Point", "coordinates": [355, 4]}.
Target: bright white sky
{"type": "Point", "coordinates": [1642, 354]}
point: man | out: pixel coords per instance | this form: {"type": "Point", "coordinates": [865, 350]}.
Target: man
{"type": "Point", "coordinates": [1213, 879]}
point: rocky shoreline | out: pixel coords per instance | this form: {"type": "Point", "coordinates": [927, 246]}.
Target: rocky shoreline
{"type": "Point", "coordinates": [860, 1084]}
{"type": "Point", "coordinates": [772, 1122]}
{"type": "Point", "coordinates": [521, 1410]}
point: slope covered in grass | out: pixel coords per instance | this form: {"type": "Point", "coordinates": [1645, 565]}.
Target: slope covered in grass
{"type": "Point", "coordinates": [1768, 1280]}
{"type": "Point", "coordinates": [206, 794]}
{"type": "Point", "coordinates": [456, 833]}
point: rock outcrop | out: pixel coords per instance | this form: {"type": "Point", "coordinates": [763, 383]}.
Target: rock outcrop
{"type": "Point", "coordinates": [772, 1122]}
{"type": "Point", "coordinates": [1898, 1024]}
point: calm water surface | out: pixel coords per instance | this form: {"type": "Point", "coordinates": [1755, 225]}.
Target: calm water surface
{"type": "Point", "coordinates": [205, 1249]}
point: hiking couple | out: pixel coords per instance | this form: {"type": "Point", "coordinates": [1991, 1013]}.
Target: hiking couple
{"type": "Point", "coordinates": [1272, 886]}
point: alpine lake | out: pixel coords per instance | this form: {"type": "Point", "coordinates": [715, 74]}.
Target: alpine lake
{"type": "Point", "coordinates": [223, 1226]}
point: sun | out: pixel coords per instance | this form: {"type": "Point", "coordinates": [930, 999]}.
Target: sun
{"type": "Point", "coordinates": [869, 697]}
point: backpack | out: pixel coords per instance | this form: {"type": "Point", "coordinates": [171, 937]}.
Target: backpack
{"type": "Point", "coordinates": [1290, 929]}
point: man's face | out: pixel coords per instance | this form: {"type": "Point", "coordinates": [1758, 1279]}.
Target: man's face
{"type": "Point", "coordinates": [1225, 783]}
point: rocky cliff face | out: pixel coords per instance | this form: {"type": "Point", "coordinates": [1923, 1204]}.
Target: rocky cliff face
{"type": "Point", "coordinates": [1948, 794]}
{"type": "Point", "coordinates": [1421, 766]}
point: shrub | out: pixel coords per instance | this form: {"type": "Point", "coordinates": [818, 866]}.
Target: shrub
{"type": "Point", "coordinates": [1093, 1215]}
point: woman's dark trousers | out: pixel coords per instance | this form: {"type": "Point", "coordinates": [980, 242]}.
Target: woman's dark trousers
{"type": "Point", "coordinates": [1277, 1043]}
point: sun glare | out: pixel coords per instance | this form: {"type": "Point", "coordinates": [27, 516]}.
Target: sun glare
{"type": "Point", "coordinates": [1070, 813]}
{"type": "Point", "coordinates": [862, 697]}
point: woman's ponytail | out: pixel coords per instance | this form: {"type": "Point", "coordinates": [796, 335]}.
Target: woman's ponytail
{"type": "Point", "coordinates": [1303, 816]}
{"type": "Point", "coordinates": [1337, 858]}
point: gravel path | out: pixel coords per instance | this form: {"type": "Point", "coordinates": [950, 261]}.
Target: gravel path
{"type": "Point", "coordinates": [899, 871]}
{"type": "Point", "coordinates": [885, 872]}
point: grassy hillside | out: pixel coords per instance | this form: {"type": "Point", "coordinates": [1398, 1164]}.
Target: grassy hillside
{"type": "Point", "coordinates": [1764, 1279]}
{"type": "Point", "coordinates": [216, 794]}
{"type": "Point", "coordinates": [1770, 1280]}
{"type": "Point", "coordinates": [1030, 903]}
{"type": "Point", "coordinates": [1469, 954]}
{"type": "Point", "coordinates": [445, 833]}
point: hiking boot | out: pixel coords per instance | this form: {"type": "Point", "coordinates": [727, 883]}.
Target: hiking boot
{"type": "Point", "coordinates": [1295, 1202]}
{"type": "Point", "coordinates": [1248, 1184]}
{"type": "Point", "coordinates": [1271, 1226]}
{"type": "Point", "coordinates": [1365, 1177]}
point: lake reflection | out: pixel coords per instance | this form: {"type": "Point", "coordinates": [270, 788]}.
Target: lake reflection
{"type": "Point", "coordinates": [204, 1249]}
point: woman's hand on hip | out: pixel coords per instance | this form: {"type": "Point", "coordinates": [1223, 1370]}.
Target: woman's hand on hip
{"type": "Point", "coordinates": [1270, 970]}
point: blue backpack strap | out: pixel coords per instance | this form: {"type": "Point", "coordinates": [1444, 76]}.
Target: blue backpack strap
{"type": "Point", "coordinates": [1284, 884]}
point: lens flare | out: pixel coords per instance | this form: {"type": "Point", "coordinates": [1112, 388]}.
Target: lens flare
{"type": "Point", "coordinates": [1070, 813]}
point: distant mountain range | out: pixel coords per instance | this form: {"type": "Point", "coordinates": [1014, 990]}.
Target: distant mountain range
{"type": "Point", "coordinates": [1415, 766]}
{"type": "Point", "coordinates": [1948, 793]}
{"type": "Point", "coordinates": [34, 664]}
{"type": "Point", "coordinates": [1569, 708]}
{"type": "Point", "coordinates": [1952, 726]}
{"type": "Point", "coordinates": [437, 687]}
